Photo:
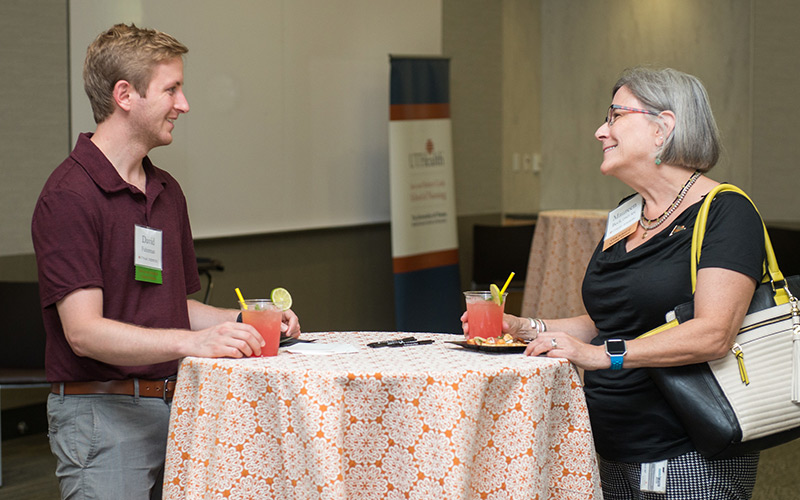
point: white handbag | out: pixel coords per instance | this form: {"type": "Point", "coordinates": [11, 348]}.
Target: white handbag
{"type": "Point", "coordinates": [749, 399]}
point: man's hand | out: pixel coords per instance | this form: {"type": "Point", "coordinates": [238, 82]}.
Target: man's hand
{"type": "Point", "coordinates": [227, 340]}
{"type": "Point", "coordinates": [290, 324]}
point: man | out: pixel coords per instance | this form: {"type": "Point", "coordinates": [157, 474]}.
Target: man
{"type": "Point", "coordinates": [116, 264]}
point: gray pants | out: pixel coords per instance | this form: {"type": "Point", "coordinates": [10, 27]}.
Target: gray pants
{"type": "Point", "coordinates": [108, 446]}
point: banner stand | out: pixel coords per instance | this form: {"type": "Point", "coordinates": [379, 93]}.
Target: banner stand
{"type": "Point", "coordinates": [427, 280]}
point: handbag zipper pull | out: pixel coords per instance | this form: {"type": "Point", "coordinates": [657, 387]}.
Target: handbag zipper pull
{"type": "Point", "coordinates": [737, 351]}
{"type": "Point", "coordinates": [795, 347]}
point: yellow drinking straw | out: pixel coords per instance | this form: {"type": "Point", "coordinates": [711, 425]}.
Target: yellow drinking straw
{"type": "Point", "coordinates": [504, 286]}
{"type": "Point", "coordinates": [241, 299]}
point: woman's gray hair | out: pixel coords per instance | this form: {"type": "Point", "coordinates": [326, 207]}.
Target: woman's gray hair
{"type": "Point", "coordinates": [694, 142]}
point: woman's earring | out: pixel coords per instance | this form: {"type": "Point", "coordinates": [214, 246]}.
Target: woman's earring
{"type": "Point", "coordinates": [658, 160]}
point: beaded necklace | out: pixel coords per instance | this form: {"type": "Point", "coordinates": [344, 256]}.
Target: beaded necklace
{"type": "Point", "coordinates": [648, 224]}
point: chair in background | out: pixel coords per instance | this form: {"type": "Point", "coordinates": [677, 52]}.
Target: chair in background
{"type": "Point", "coordinates": [497, 251]}
{"type": "Point", "coordinates": [204, 266]}
{"type": "Point", "coordinates": [786, 243]}
{"type": "Point", "coordinates": [22, 352]}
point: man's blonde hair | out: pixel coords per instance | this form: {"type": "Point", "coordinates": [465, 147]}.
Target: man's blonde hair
{"type": "Point", "coordinates": [124, 53]}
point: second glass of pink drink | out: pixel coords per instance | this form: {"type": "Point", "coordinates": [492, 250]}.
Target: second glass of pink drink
{"type": "Point", "coordinates": [484, 315]}
{"type": "Point", "coordinates": [265, 317]}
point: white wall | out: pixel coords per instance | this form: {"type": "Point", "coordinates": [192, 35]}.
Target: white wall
{"type": "Point", "coordinates": [290, 103]}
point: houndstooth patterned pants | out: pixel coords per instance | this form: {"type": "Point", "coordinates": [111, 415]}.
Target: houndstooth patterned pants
{"type": "Point", "coordinates": [689, 477]}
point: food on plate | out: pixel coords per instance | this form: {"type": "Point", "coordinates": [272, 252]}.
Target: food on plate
{"type": "Point", "coordinates": [504, 340]}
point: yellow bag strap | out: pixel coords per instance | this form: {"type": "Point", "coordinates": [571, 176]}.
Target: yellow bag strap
{"type": "Point", "coordinates": [772, 272]}
{"type": "Point", "coordinates": [659, 329]}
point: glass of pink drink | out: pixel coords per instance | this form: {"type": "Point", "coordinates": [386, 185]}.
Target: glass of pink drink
{"type": "Point", "coordinates": [485, 317]}
{"type": "Point", "coordinates": [265, 317]}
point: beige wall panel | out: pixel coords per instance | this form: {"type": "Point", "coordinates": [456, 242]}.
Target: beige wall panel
{"type": "Point", "coordinates": [471, 36]}
{"type": "Point", "coordinates": [776, 133]}
{"type": "Point", "coordinates": [587, 44]}
{"type": "Point", "coordinates": [521, 105]}
{"type": "Point", "coordinates": [33, 110]}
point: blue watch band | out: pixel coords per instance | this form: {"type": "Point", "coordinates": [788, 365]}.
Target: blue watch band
{"type": "Point", "coordinates": [616, 350]}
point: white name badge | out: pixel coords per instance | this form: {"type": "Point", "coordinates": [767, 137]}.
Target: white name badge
{"type": "Point", "coordinates": [622, 221]}
{"type": "Point", "coordinates": [147, 254]}
{"type": "Point", "coordinates": [654, 477]}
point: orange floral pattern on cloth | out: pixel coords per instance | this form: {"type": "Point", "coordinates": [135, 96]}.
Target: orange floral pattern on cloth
{"type": "Point", "coordinates": [419, 422]}
{"type": "Point", "coordinates": [562, 245]}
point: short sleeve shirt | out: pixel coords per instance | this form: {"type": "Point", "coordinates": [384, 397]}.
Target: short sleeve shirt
{"type": "Point", "coordinates": [629, 293]}
{"type": "Point", "coordinates": [83, 235]}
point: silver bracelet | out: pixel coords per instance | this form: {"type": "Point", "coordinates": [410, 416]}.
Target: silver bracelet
{"type": "Point", "coordinates": [538, 325]}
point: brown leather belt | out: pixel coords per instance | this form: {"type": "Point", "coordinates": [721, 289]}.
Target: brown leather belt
{"type": "Point", "coordinates": [164, 389]}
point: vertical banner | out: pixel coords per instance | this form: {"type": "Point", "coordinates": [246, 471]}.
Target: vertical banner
{"type": "Point", "coordinates": [424, 225]}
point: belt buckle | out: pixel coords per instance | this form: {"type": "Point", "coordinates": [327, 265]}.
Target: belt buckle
{"type": "Point", "coordinates": [166, 387]}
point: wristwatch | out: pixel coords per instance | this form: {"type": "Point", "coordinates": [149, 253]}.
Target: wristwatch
{"type": "Point", "coordinates": [616, 350]}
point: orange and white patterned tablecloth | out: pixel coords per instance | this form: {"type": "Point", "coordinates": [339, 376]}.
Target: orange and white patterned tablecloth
{"type": "Point", "coordinates": [563, 242]}
{"type": "Point", "coordinates": [419, 422]}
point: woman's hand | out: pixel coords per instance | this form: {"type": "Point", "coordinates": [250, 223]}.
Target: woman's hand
{"type": "Point", "coordinates": [512, 325]}
{"type": "Point", "coordinates": [562, 345]}
{"type": "Point", "coordinates": [519, 328]}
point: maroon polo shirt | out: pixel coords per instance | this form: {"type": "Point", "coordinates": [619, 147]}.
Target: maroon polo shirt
{"type": "Point", "coordinates": [83, 236]}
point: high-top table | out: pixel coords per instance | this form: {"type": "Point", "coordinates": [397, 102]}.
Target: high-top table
{"type": "Point", "coordinates": [563, 242]}
{"type": "Point", "coordinates": [425, 421]}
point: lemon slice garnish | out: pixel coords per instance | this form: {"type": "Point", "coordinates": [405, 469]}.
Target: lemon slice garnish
{"type": "Point", "coordinates": [281, 298]}
{"type": "Point", "coordinates": [496, 297]}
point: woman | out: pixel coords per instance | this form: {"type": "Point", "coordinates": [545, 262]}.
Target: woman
{"type": "Point", "coordinates": [659, 138]}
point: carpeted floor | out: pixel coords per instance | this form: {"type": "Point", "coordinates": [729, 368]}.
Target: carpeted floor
{"type": "Point", "coordinates": [778, 477]}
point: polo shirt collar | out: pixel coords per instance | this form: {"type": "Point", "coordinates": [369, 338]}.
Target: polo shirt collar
{"type": "Point", "coordinates": [103, 173]}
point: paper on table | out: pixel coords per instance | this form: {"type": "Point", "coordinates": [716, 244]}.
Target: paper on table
{"type": "Point", "coordinates": [321, 349]}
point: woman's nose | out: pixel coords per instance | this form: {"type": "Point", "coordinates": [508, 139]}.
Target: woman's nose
{"type": "Point", "coordinates": [601, 132]}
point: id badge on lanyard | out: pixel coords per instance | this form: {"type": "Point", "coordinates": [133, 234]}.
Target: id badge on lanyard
{"type": "Point", "coordinates": [147, 254]}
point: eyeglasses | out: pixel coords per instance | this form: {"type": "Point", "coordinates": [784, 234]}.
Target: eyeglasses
{"type": "Point", "coordinates": [613, 115]}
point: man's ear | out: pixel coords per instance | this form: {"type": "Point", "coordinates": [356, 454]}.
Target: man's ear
{"type": "Point", "coordinates": [123, 94]}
